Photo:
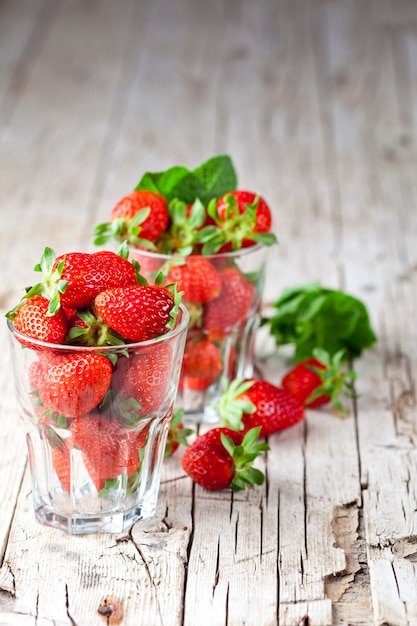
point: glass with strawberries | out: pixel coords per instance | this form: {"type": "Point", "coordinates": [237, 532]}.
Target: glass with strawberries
{"type": "Point", "coordinates": [223, 294]}
{"type": "Point", "coordinates": [198, 231]}
{"type": "Point", "coordinates": [97, 356]}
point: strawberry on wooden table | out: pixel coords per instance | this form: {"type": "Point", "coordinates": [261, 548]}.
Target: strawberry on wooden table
{"type": "Point", "coordinates": [246, 404]}
{"type": "Point", "coordinates": [320, 379]}
{"type": "Point", "coordinates": [222, 458]}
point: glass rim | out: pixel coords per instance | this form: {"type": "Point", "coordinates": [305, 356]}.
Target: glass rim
{"type": "Point", "coordinates": [61, 347]}
{"type": "Point", "coordinates": [230, 254]}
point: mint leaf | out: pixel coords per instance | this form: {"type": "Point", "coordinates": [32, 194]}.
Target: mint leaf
{"type": "Point", "coordinates": [163, 182]}
{"type": "Point", "coordinates": [210, 180]}
{"type": "Point", "coordinates": [216, 177]}
{"type": "Point", "coordinates": [313, 317]}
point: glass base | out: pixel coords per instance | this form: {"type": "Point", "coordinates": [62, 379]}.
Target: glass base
{"type": "Point", "coordinates": [117, 522]}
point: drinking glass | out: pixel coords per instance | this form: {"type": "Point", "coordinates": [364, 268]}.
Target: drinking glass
{"type": "Point", "coordinates": [96, 467]}
{"type": "Point", "coordinates": [222, 331]}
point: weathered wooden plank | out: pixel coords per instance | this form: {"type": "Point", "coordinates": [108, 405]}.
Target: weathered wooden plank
{"type": "Point", "coordinates": [142, 569]}
{"type": "Point", "coordinates": [22, 25]}
{"type": "Point", "coordinates": [232, 554]}
{"type": "Point", "coordinates": [367, 125]}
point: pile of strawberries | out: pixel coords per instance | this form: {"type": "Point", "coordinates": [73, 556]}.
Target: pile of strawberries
{"type": "Point", "coordinates": [104, 402]}
{"type": "Point", "coordinates": [104, 299]}
{"type": "Point", "coordinates": [218, 294]}
{"type": "Point", "coordinates": [220, 298]}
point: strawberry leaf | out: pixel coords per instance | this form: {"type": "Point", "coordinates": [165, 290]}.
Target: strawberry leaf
{"type": "Point", "coordinates": [231, 407]}
{"type": "Point", "coordinates": [243, 456]}
{"type": "Point", "coordinates": [52, 285]}
{"type": "Point", "coordinates": [173, 314]}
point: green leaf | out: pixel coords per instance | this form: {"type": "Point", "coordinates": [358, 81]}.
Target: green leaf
{"type": "Point", "coordinates": [311, 317]}
{"type": "Point", "coordinates": [243, 456]}
{"type": "Point", "coordinates": [164, 182]}
{"type": "Point", "coordinates": [210, 180]}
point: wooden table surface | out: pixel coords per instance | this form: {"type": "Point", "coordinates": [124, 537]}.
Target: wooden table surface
{"type": "Point", "coordinates": [316, 102]}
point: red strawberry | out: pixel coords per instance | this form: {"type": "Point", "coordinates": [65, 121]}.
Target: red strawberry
{"type": "Point", "coordinates": [48, 416]}
{"type": "Point", "coordinates": [32, 319]}
{"type": "Point", "coordinates": [138, 313]}
{"type": "Point", "coordinates": [302, 381]}
{"type": "Point", "coordinates": [183, 233]}
{"type": "Point", "coordinates": [60, 456]}
{"type": "Point", "coordinates": [233, 305]}
{"type": "Point", "coordinates": [317, 381]}
{"type": "Point", "coordinates": [246, 404]}
{"type": "Point", "coordinates": [138, 218]}
{"type": "Point", "coordinates": [73, 279]}
{"type": "Point", "coordinates": [242, 219]}
{"type": "Point", "coordinates": [202, 364]}
{"type": "Point", "coordinates": [222, 458]}
{"type": "Point", "coordinates": [62, 466]}
{"type": "Point", "coordinates": [141, 381]}
{"type": "Point", "coordinates": [244, 200]}
{"type": "Point", "coordinates": [86, 328]}
{"type": "Point", "coordinates": [197, 278]}
{"type": "Point", "coordinates": [110, 448]}
{"type": "Point", "coordinates": [35, 377]}
{"type": "Point", "coordinates": [73, 384]}
{"type": "Point", "coordinates": [98, 480]}
{"type": "Point", "coordinates": [89, 274]}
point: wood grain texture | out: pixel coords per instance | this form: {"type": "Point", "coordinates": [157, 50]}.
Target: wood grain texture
{"type": "Point", "coordinates": [315, 100]}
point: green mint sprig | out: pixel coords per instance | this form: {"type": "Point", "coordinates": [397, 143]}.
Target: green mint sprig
{"type": "Point", "coordinates": [211, 179]}
{"type": "Point", "coordinates": [311, 316]}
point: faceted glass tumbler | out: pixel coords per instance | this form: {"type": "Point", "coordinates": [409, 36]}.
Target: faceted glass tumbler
{"type": "Point", "coordinates": [222, 330]}
{"type": "Point", "coordinates": [96, 466]}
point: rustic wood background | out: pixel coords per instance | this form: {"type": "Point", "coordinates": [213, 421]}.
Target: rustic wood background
{"type": "Point", "coordinates": [316, 102]}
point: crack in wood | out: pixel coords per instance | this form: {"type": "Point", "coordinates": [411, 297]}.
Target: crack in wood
{"type": "Point", "coordinates": [217, 572]}
{"type": "Point", "coordinates": [345, 526]}
{"type": "Point", "coordinates": [5, 587]}
{"type": "Point", "coordinates": [67, 603]}
{"type": "Point", "coordinates": [305, 487]}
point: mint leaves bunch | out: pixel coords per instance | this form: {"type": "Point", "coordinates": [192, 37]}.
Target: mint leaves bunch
{"type": "Point", "coordinates": [311, 316]}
